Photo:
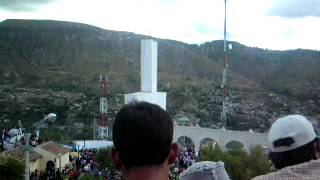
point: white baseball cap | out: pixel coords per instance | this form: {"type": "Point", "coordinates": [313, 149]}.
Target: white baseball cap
{"type": "Point", "coordinates": [295, 127]}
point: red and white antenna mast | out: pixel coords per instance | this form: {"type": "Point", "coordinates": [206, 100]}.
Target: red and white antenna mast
{"type": "Point", "coordinates": [103, 132]}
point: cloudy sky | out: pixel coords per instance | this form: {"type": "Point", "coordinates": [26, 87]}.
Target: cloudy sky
{"type": "Point", "coordinates": [272, 24]}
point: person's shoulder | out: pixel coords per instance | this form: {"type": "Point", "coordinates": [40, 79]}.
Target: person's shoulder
{"type": "Point", "coordinates": [311, 163]}
{"type": "Point", "coordinates": [307, 170]}
{"type": "Point", "coordinates": [280, 174]}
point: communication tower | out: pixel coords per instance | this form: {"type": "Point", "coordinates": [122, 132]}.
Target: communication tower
{"type": "Point", "coordinates": [224, 74]}
{"type": "Point", "coordinates": [103, 132]}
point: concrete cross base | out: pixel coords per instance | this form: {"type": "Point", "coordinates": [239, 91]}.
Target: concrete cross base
{"type": "Point", "coordinates": [159, 98]}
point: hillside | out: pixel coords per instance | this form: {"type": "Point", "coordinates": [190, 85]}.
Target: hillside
{"type": "Point", "coordinates": [293, 72]}
{"type": "Point", "coordinates": [54, 66]}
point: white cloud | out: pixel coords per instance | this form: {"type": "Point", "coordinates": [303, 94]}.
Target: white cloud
{"type": "Point", "coordinates": [25, 5]}
{"type": "Point", "coordinates": [295, 8]}
{"type": "Point", "coordinates": [191, 21]}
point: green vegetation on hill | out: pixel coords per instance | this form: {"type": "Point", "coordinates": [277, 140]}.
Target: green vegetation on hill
{"type": "Point", "coordinates": [54, 66]}
{"type": "Point", "coordinates": [292, 72]}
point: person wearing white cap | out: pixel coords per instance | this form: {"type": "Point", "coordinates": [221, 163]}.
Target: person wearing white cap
{"type": "Point", "coordinates": [294, 150]}
{"type": "Point", "coordinates": [205, 170]}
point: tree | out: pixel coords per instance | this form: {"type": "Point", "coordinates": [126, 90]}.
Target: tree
{"type": "Point", "coordinates": [212, 153]}
{"type": "Point", "coordinates": [258, 162]}
{"type": "Point", "coordinates": [90, 177]}
{"type": "Point", "coordinates": [235, 163]}
{"type": "Point", "coordinates": [11, 168]}
{"type": "Point", "coordinates": [234, 146]}
{"type": "Point", "coordinates": [239, 164]}
{"type": "Point", "coordinates": [104, 158]}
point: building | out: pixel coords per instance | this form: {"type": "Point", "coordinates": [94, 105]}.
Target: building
{"type": "Point", "coordinates": [41, 154]}
{"type": "Point", "coordinates": [52, 151]}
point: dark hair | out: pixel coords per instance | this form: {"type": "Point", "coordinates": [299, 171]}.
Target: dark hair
{"type": "Point", "coordinates": [296, 156]}
{"type": "Point", "coordinates": [142, 134]}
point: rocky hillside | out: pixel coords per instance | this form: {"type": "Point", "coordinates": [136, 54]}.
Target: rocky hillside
{"type": "Point", "coordinates": [293, 72]}
{"type": "Point", "coordinates": [54, 66]}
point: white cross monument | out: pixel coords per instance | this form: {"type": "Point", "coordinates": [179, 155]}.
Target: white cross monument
{"type": "Point", "coordinates": [149, 71]}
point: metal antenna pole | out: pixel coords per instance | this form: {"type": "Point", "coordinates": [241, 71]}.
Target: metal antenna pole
{"type": "Point", "coordinates": [27, 149]}
{"type": "Point", "coordinates": [94, 128]}
{"type": "Point", "coordinates": [225, 27]}
{"type": "Point", "coordinates": [224, 75]}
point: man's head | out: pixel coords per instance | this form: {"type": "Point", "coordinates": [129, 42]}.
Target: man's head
{"type": "Point", "coordinates": [142, 137]}
{"type": "Point", "coordinates": [292, 140]}
{"type": "Point", "coordinates": [205, 170]}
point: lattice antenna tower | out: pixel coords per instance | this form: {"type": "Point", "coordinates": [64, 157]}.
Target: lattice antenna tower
{"type": "Point", "coordinates": [103, 130]}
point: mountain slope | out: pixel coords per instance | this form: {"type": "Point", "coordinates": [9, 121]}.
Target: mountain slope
{"type": "Point", "coordinates": [293, 72]}
{"type": "Point", "coordinates": [62, 61]}
{"type": "Point", "coordinates": [63, 47]}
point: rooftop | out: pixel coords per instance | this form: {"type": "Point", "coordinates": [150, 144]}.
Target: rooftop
{"type": "Point", "coordinates": [18, 153]}
{"type": "Point", "coordinates": [54, 148]}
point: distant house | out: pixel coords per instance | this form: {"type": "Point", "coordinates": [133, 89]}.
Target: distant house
{"type": "Point", "coordinates": [51, 151]}
{"type": "Point", "coordinates": [41, 154]}
{"type": "Point", "coordinates": [19, 154]}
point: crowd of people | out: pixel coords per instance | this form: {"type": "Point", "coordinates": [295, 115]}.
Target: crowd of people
{"type": "Point", "coordinates": [186, 158]}
{"type": "Point", "coordinates": [84, 164]}
{"type": "Point", "coordinates": [143, 149]}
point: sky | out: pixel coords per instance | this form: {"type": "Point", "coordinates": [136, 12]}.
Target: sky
{"type": "Point", "coordinates": [270, 24]}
